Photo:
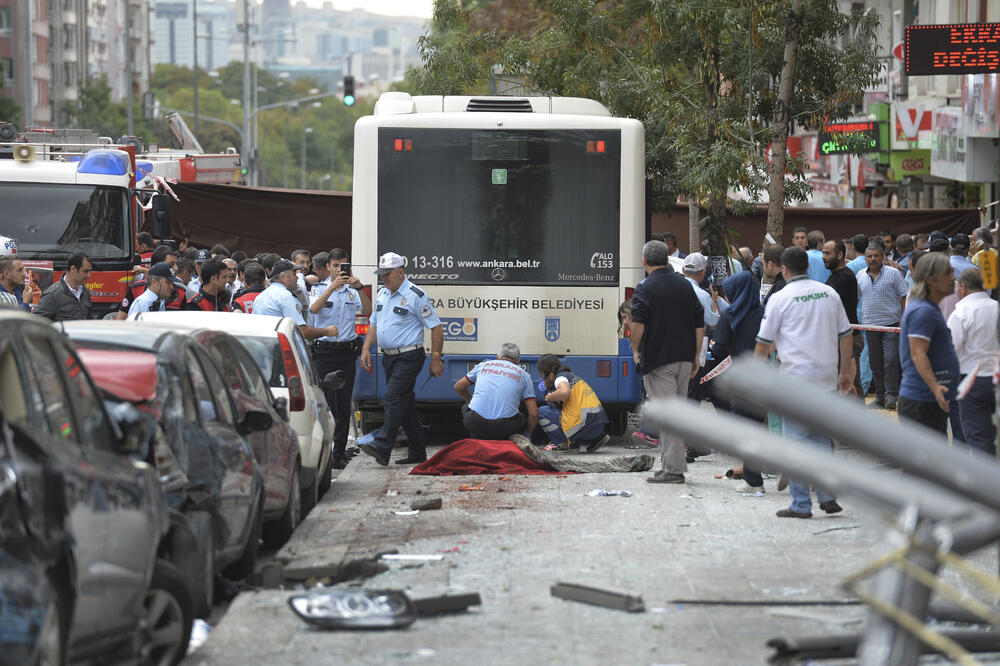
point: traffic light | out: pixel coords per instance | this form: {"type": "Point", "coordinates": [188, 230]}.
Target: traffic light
{"type": "Point", "coordinates": [349, 90]}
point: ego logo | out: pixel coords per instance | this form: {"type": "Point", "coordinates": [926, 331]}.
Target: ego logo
{"type": "Point", "coordinates": [460, 329]}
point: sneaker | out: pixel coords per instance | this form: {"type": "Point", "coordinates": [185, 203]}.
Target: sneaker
{"type": "Point", "coordinates": [665, 477]}
{"type": "Point", "coordinates": [890, 403]}
{"type": "Point", "coordinates": [593, 446]}
{"type": "Point", "coordinates": [747, 488]}
{"type": "Point", "coordinates": [831, 506]}
{"type": "Point", "coordinates": [365, 439]}
{"type": "Point", "coordinates": [647, 440]}
{"type": "Point", "coordinates": [788, 513]}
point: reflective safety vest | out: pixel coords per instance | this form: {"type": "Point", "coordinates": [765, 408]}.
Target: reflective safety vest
{"type": "Point", "coordinates": [208, 303]}
{"type": "Point", "coordinates": [245, 297]}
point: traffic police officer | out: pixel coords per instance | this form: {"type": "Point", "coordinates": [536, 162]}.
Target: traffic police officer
{"type": "Point", "coordinates": [402, 312]}
{"type": "Point", "coordinates": [277, 300]}
{"type": "Point", "coordinates": [160, 287]}
{"type": "Point", "coordinates": [335, 301]}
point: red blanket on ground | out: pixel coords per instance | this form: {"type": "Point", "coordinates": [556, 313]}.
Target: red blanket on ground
{"type": "Point", "coordinates": [480, 456]}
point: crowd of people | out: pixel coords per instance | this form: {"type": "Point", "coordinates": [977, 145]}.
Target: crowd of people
{"type": "Point", "coordinates": [904, 318]}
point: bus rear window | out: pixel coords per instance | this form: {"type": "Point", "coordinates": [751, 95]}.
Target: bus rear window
{"type": "Point", "coordinates": [521, 207]}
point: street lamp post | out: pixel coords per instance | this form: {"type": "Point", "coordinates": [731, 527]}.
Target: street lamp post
{"type": "Point", "coordinates": [194, 19]}
{"type": "Point", "coordinates": [307, 130]}
{"type": "Point", "coordinates": [245, 147]}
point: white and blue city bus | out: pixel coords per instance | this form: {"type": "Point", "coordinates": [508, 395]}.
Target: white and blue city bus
{"type": "Point", "coordinates": [523, 219]}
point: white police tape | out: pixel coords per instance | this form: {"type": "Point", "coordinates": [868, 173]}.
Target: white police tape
{"type": "Point", "coordinates": [879, 329]}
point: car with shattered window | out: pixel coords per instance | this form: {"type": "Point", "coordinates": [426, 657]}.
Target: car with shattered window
{"type": "Point", "coordinates": [229, 390]}
{"type": "Point", "coordinates": [210, 479]}
{"type": "Point", "coordinates": [82, 519]}
{"type": "Point", "coordinates": [279, 350]}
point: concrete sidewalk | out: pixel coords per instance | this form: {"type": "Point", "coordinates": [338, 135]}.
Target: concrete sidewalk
{"type": "Point", "coordinates": [520, 534]}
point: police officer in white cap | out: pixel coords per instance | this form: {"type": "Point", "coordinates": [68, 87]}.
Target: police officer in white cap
{"type": "Point", "coordinates": [402, 312]}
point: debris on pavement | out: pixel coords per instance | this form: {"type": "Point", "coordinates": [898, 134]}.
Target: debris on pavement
{"type": "Point", "coordinates": [601, 492]}
{"type": "Point", "coordinates": [466, 487]}
{"type": "Point", "coordinates": [429, 504]}
{"type": "Point", "coordinates": [411, 557]}
{"type": "Point", "coordinates": [598, 597]}
{"type": "Point", "coordinates": [354, 609]}
{"type": "Point", "coordinates": [199, 634]}
{"type": "Point", "coordinates": [447, 603]}
{"type": "Point", "coordinates": [391, 493]}
{"type": "Point", "coordinates": [407, 513]}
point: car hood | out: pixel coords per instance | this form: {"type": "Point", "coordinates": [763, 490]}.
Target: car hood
{"type": "Point", "coordinates": [127, 375]}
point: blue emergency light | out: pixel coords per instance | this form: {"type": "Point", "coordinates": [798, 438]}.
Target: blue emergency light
{"type": "Point", "coordinates": [143, 169]}
{"type": "Point", "coordinates": [105, 162]}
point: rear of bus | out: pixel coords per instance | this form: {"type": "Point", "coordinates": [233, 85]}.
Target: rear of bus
{"type": "Point", "coordinates": [522, 218]}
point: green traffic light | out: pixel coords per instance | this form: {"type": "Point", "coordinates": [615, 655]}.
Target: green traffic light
{"type": "Point", "coordinates": [349, 100]}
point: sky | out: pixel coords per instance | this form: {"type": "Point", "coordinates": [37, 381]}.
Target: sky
{"type": "Point", "coordinates": [422, 8]}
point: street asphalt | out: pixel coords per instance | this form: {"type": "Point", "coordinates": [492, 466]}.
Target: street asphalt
{"type": "Point", "coordinates": [679, 547]}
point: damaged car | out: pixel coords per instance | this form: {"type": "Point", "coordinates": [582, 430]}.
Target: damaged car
{"type": "Point", "coordinates": [82, 521]}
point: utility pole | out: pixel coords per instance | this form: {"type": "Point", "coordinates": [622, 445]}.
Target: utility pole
{"type": "Point", "coordinates": [128, 71]}
{"type": "Point", "coordinates": [245, 148]}
{"type": "Point", "coordinates": [305, 132]}
{"type": "Point", "coordinates": [194, 20]}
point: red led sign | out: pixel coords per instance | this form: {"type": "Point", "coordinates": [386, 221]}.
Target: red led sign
{"type": "Point", "coordinates": [967, 48]}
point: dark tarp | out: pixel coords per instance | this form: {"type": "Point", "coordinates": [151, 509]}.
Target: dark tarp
{"type": "Point", "coordinates": [259, 219]}
{"type": "Point", "coordinates": [833, 222]}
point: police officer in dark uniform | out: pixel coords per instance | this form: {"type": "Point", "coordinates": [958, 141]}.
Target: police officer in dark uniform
{"type": "Point", "coordinates": [336, 301]}
{"type": "Point", "coordinates": [402, 312]}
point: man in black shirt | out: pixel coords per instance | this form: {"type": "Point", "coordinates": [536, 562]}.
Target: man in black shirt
{"type": "Point", "coordinates": [844, 282]}
{"type": "Point", "coordinates": [772, 270]}
{"type": "Point", "coordinates": [668, 325]}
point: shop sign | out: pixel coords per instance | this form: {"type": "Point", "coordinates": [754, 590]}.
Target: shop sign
{"type": "Point", "coordinates": [855, 137]}
{"type": "Point", "coordinates": [906, 163]}
{"type": "Point", "coordinates": [969, 48]}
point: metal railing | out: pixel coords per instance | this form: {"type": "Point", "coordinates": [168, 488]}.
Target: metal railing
{"type": "Point", "coordinates": [944, 504]}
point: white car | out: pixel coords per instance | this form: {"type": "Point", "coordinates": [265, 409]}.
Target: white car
{"type": "Point", "coordinates": [279, 349]}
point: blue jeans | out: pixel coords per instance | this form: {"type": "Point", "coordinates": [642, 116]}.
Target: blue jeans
{"type": "Point", "coordinates": [977, 411]}
{"type": "Point", "coordinates": [801, 499]}
{"type": "Point", "coordinates": [549, 418]}
{"type": "Point", "coordinates": [401, 372]}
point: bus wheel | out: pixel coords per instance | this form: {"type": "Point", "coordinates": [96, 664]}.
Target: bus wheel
{"type": "Point", "coordinates": [618, 421]}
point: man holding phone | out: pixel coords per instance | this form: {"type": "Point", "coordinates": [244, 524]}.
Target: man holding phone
{"type": "Point", "coordinates": [336, 301]}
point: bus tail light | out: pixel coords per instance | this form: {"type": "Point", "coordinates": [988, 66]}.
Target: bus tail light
{"type": "Point", "coordinates": [624, 368]}
{"type": "Point", "coordinates": [402, 145]}
{"type": "Point", "coordinates": [604, 369]}
{"type": "Point", "coordinates": [628, 292]}
{"type": "Point", "coordinates": [598, 146]}
{"type": "Point", "coordinates": [296, 391]}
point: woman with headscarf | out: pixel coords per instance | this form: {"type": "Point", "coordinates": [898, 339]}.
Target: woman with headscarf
{"type": "Point", "coordinates": [736, 334]}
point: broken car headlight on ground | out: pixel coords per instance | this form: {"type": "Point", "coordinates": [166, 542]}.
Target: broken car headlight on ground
{"type": "Point", "coordinates": [354, 609]}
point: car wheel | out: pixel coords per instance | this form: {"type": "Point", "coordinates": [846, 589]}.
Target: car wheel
{"type": "Point", "coordinates": [325, 477]}
{"type": "Point", "coordinates": [166, 616]}
{"type": "Point", "coordinates": [617, 421]}
{"type": "Point", "coordinates": [245, 566]}
{"type": "Point", "coordinates": [276, 533]}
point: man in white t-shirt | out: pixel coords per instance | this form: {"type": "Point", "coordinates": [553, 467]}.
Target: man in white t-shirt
{"type": "Point", "coordinates": [806, 323]}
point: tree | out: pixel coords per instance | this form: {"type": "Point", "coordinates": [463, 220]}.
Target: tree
{"type": "Point", "coordinates": [702, 75]}
{"type": "Point", "coordinates": [10, 111]}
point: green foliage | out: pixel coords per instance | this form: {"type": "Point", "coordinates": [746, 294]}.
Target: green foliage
{"type": "Point", "coordinates": [702, 75]}
{"type": "Point", "coordinates": [9, 109]}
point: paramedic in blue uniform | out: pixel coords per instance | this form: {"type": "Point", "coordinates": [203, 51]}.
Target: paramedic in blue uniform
{"type": "Point", "coordinates": [402, 312]}
{"type": "Point", "coordinates": [277, 301]}
{"type": "Point", "coordinates": [159, 287]}
{"type": "Point", "coordinates": [336, 301]}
